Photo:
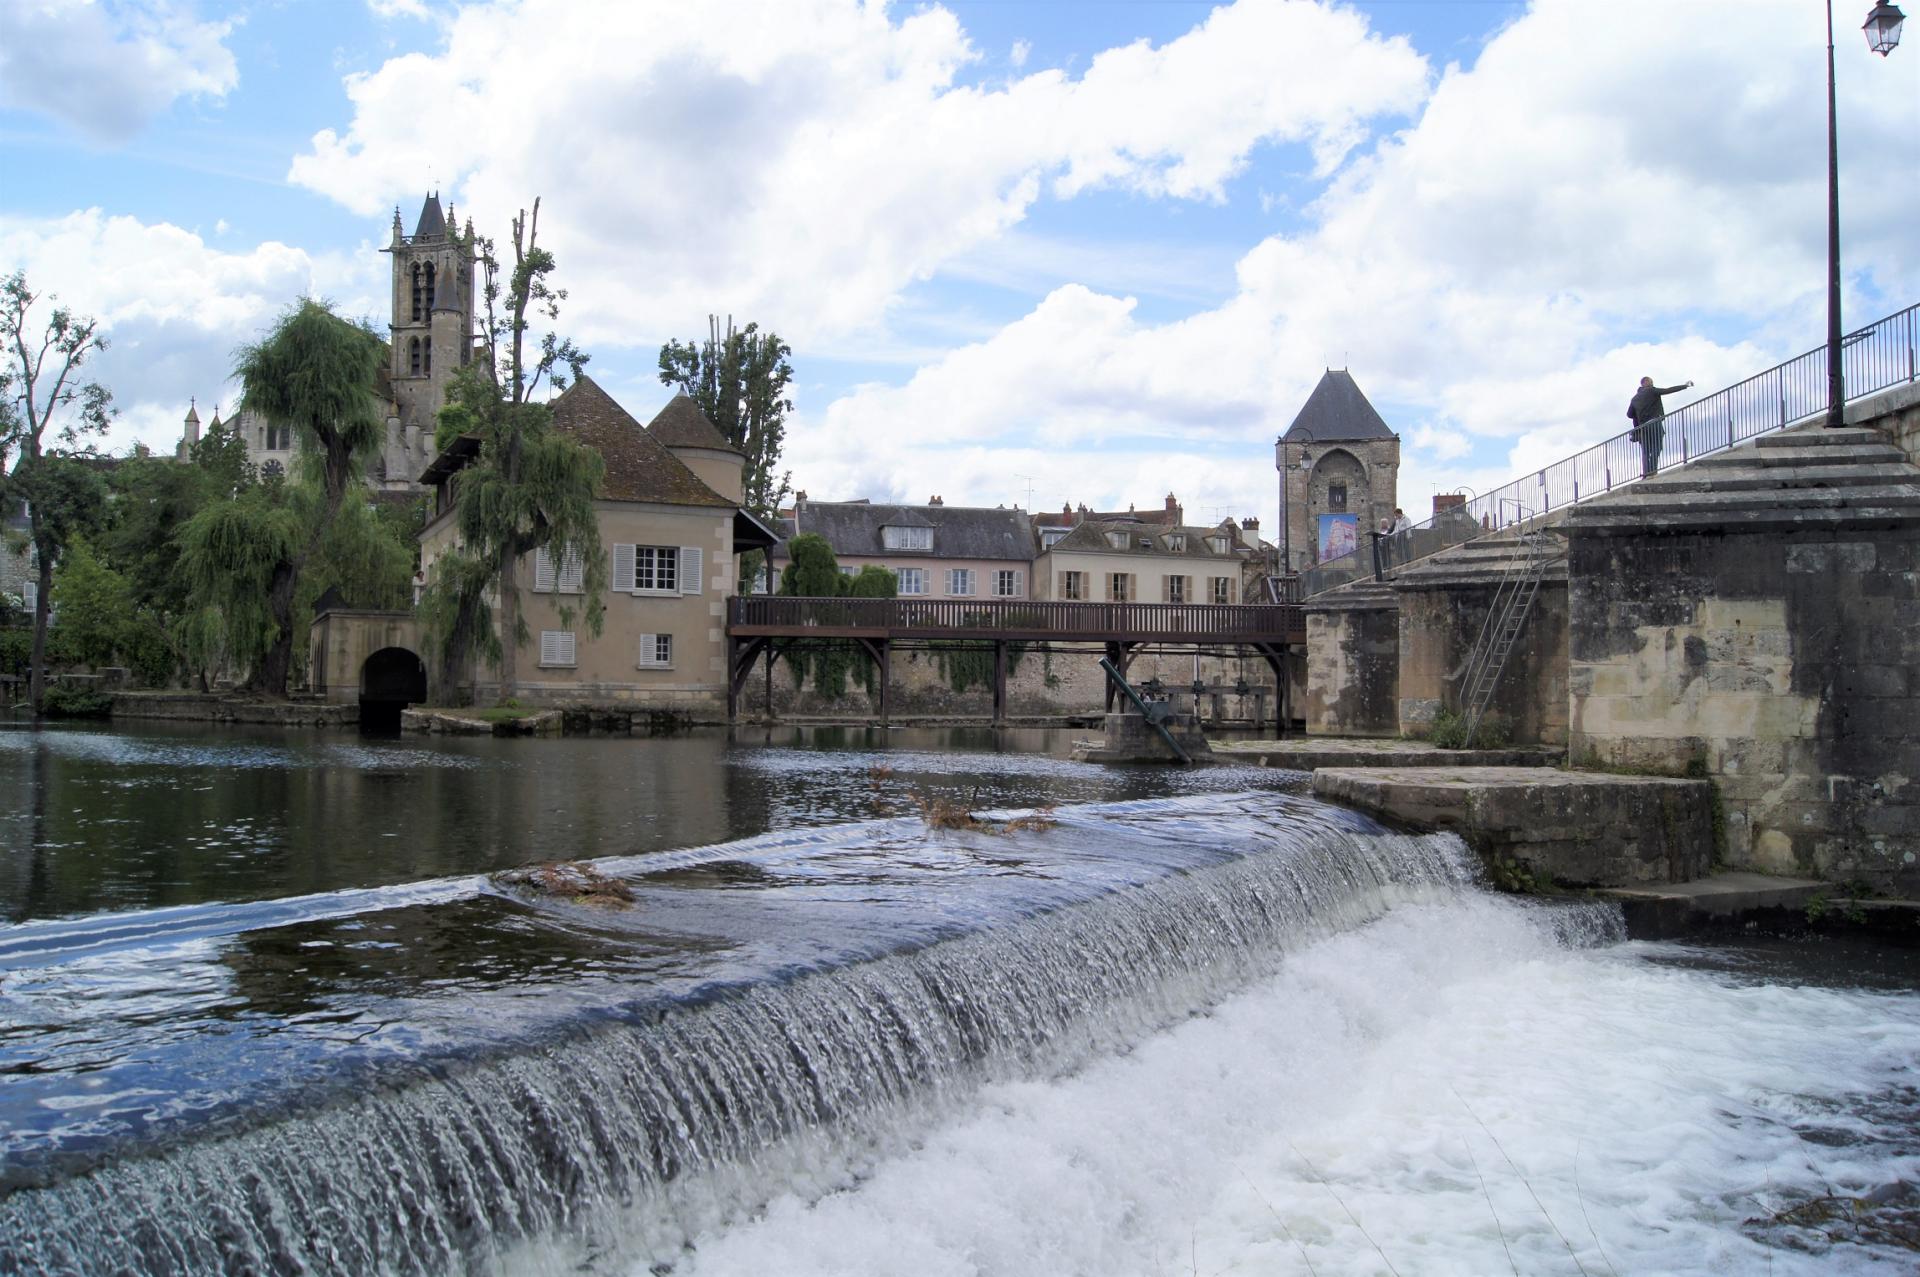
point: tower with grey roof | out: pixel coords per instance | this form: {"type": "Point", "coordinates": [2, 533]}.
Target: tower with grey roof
{"type": "Point", "coordinates": [1340, 459]}
{"type": "Point", "coordinates": [432, 328]}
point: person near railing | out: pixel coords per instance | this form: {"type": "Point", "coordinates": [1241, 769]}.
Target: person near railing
{"type": "Point", "coordinates": [1648, 417]}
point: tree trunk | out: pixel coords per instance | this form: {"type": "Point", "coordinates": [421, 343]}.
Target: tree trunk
{"type": "Point", "coordinates": [509, 625]}
{"type": "Point", "coordinates": [42, 611]}
{"type": "Point", "coordinates": [277, 666]}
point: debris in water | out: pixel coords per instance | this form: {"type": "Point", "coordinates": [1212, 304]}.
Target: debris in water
{"type": "Point", "coordinates": [952, 813]}
{"type": "Point", "coordinates": [577, 880]}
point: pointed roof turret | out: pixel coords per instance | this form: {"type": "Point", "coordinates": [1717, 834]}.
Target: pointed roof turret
{"type": "Point", "coordinates": [193, 412]}
{"type": "Point", "coordinates": [639, 466]}
{"type": "Point", "coordinates": [681, 424]}
{"type": "Point", "coordinates": [433, 222]}
{"type": "Point", "coordinates": [1337, 410]}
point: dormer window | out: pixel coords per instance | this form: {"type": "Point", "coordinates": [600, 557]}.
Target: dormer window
{"type": "Point", "coordinates": [1177, 542]}
{"type": "Point", "coordinates": [1218, 544]}
{"type": "Point", "coordinates": [1118, 540]}
{"type": "Point", "coordinates": [895, 538]}
{"type": "Point", "coordinates": [1146, 543]}
{"type": "Point", "coordinates": [1050, 536]}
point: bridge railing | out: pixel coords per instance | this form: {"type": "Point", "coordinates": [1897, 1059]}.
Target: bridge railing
{"type": "Point", "coordinates": [1036, 617]}
{"type": "Point", "coordinates": [1885, 353]}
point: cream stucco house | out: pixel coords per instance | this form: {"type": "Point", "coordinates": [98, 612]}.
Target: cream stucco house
{"type": "Point", "coordinates": [1127, 561]}
{"type": "Point", "coordinates": [671, 526]}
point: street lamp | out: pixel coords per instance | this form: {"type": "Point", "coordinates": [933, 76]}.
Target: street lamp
{"type": "Point", "coordinates": [1286, 507]}
{"type": "Point", "coordinates": [1883, 34]}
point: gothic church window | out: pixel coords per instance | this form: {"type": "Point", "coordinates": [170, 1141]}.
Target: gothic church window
{"type": "Point", "coordinates": [413, 356]}
{"type": "Point", "coordinates": [426, 357]}
{"type": "Point", "coordinates": [428, 288]}
{"type": "Point", "coordinates": [416, 294]}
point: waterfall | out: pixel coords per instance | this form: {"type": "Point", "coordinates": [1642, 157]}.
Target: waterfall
{"type": "Point", "coordinates": [663, 1120]}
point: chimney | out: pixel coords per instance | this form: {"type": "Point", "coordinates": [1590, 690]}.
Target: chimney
{"type": "Point", "coordinates": [935, 500]}
{"type": "Point", "coordinates": [799, 498]}
{"type": "Point", "coordinates": [1448, 501]}
{"type": "Point", "coordinates": [1250, 524]}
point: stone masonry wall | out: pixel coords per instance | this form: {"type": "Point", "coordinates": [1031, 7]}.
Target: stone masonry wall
{"type": "Point", "coordinates": [1438, 629]}
{"type": "Point", "coordinates": [1353, 671]}
{"type": "Point", "coordinates": [1785, 665]}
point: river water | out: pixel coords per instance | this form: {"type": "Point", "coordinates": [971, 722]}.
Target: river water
{"type": "Point", "coordinates": [264, 1008]}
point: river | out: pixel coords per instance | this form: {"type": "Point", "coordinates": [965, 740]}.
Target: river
{"type": "Point", "coordinates": [265, 1007]}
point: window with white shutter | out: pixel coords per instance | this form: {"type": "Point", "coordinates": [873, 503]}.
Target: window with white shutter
{"type": "Point", "coordinates": [29, 595]}
{"type": "Point", "coordinates": [572, 576]}
{"type": "Point", "coordinates": [1009, 583]}
{"type": "Point", "coordinates": [542, 571]}
{"type": "Point", "coordinates": [656, 651]}
{"type": "Point", "coordinates": [556, 648]}
{"type": "Point", "coordinates": [656, 569]}
{"type": "Point", "coordinates": [623, 568]}
{"type": "Point", "coordinates": [692, 559]}
{"type": "Point", "coordinates": [960, 582]}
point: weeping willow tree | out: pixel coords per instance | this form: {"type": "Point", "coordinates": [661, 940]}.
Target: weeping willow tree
{"type": "Point", "coordinates": [244, 557]}
{"type": "Point", "coordinates": [527, 488]}
{"type": "Point", "coordinates": [813, 572]}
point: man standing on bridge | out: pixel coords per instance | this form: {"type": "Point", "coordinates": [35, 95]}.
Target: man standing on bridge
{"type": "Point", "coordinates": [1647, 414]}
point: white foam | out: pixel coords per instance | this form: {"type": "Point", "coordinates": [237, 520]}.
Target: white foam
{"type": "Point", "coordinates": [1424, 1075]}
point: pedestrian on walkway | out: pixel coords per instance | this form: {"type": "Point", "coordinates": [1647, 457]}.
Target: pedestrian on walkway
{"type": "Point", "coordinates": [1648, 417]}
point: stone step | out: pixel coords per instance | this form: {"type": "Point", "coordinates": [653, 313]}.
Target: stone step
{"type": "Point", "coordinates": [1798, 458]}
{"type": "Point", "coordinates": [1819, 437]}
{"type": "Point", "coordinates": [1775, 480]}
{"type": "Point", "coordinates": [1897, 496]}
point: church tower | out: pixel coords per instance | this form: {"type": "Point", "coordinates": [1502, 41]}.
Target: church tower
{"type": "Point", "coordinates": [432, 317]}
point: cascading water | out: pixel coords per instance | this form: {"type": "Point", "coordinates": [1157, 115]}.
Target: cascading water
{"type": "Point", "coordinates": [951, 962]}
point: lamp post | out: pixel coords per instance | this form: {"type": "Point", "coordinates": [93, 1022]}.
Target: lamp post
{"type": "Point", "coordinates": [1882, 30]}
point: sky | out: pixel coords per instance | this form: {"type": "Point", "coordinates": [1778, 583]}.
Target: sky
{"type": "Point", "coordinates": [1025, 253]}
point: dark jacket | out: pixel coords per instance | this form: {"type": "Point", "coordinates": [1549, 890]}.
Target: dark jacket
{"type": "Point", "coordinates": [1646, 403]}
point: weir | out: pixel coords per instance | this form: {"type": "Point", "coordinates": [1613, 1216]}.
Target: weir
{"type": "Point", "coordinates": [826, 995]}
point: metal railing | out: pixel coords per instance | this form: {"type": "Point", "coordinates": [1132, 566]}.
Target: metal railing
{"type": "Point", "coordinates": [1885, 353]}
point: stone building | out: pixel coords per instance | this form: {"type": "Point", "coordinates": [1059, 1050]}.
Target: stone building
{"type": "Point", "coordinates": [1339, 467]}
{"type": "Point", "coordinates": [934, 550]}
{"type": "Point", "coordinates": [431, 336]}
{"type": "Point", "coordinates": [671, 526]}
{"type": "Point", "coordinates": [1127, 561]}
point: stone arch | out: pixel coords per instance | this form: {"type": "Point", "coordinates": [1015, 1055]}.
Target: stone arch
{"type": "Point", "coordinates": [1340, 482]}
{"type": "Point", "coordinates": [390, 680]}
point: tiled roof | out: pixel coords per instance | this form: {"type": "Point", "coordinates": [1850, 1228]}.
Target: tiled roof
{"type": "Point", "coordinates": [639, 467]}
{"type": "Point", "coordinates": [1091, 538]}
{"type": "Point", "coordinates": [1337, 410]}
{"type": "Point", "coordinates": [681, 424]}
{"type": "Point", "coordinates": [852, 528]}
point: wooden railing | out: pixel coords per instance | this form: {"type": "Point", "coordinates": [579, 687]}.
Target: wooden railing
{"type": "Point", "coordinates": [1016, 619]}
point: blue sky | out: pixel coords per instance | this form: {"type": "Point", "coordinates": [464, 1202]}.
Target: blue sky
{"type": "Point", "coordinates": [1084, 251]}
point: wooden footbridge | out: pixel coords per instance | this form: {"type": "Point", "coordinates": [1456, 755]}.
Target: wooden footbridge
{"type": "Point", "coordinates": [761, 627]}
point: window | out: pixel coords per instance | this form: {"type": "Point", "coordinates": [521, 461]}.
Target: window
{"type": "Point", "coordinates": [556, 648]}
{"type": "Point", "coordinates": [1223, 589]}
{"type": "Point", "coordinates": [1337, 497]}
{"type": "Point", "coordinates": [1177, 542]}
{"type": "Point", "coordinates": [1117, 586]}
{"type": "Point", "coordinates": [1007, 583]}
{"type": "Point", "coordinates": [278, 438]}
{"type": "Point", "coordinates": [1218, 544]}
{"type": "Point", "coordinates": [1073, 585]}
{"type": "Point", "coordinates": [656, 568]}
{"type": "Point", "coordinates": [1050, 535]}
{"type": "Point", "coordinates": [960, 581]}
{"type": "Point", "coordinates": [427, 288]}
{"type": "Point", "coordinates": [417, 307]}
{"type": "Point", "coordinates": [413, 356]}
{"type": "Point", "coordinates": [1176, 589]}
{"type": "Point", "coordinates": [912, 580]}
{"type": "Point", "coordinates": [570, 579]}
{"type": "Point", "coordinates": [907, 538]}
{"type": "Point", "coordinates": [656, 651]}
{"type": "Point", "coordinates": [426, 357]}
{"type": "Point", "coordinates": [1118, 540]}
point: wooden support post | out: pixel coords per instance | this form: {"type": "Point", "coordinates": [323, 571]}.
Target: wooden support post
{"type": "Point", "coordinates": [886, 676]}
{"type": "Point", "coordinates": [999, 683]}
{"type": "Point", "coordinates": [770, 654]}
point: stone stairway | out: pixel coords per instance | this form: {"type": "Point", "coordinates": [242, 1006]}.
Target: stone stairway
{"type": "Point", "coordinates": [1806, 477]}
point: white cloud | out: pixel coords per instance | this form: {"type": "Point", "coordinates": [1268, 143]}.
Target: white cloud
{"type": "Point", "coordinates": [808, 160]}
{"type": "Point", "coordinates": [108, 66]}
{"type": "Point", "coordinates": [172, 307]}
{"type": "Point", "coordinates": [1019, 53]}
{"type": "Point", "coordinates": [1579, 208]}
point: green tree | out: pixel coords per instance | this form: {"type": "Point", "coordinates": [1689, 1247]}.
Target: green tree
{"type": "Point", "coordinates": [740, 378]}
{"type": "Point", "coordinates": [813, 572]}
{"type": "Point", "coordinates": [244, 556]}
{"type": "Point", "coordinates": [96, 605]}
{"type": "Point", "coordinates": [527, 488]}
{"type": "Point", "coordinates": [46, 413]}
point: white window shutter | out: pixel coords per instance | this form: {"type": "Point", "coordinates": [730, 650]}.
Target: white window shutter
{"type": "Point", "coordinates": [647, 652]}
{"type": "Point", "coordinates": [556, 647]}
{"type": "Point", "coordinates": [690, 568]}
{"type": "Point", "coordinates": [623, 568]}
{"type": "Point", "coordinates": [29, 595]}
{"type": "Point", "coordinates": [1019, 584]}
{"type": "Point", "coordinates": [542, 571]}
{"type": "Point", "coordinates": [572, 573]}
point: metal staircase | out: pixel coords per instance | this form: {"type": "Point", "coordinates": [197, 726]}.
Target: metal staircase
{"type": "Point", "coordinates": [1512, 602]}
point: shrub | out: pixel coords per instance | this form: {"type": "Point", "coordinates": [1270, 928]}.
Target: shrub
{"type": "Point", "coordinates": [63, 700]}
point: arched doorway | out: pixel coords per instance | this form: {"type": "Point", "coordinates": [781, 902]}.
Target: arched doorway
{"type": "Point", "coordinates": [392, 679]}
